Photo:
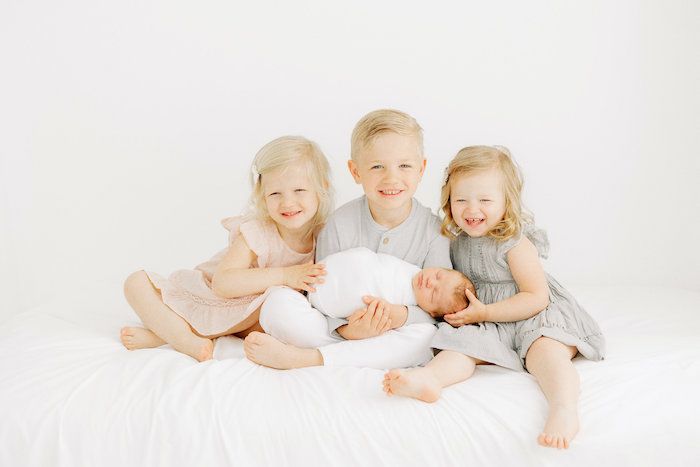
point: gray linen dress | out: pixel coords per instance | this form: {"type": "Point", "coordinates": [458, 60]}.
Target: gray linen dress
{"type": "Point", "coordinates": [483, 260]}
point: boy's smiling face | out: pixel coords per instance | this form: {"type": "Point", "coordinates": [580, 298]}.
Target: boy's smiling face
{"type": "Point", "coordinates": [389, 170]}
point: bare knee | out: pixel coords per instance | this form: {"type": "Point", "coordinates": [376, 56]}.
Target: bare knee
{"type": "Point", "coordinates": [545, 347]}
{"type": "Point", "coordinates": [135, 284]}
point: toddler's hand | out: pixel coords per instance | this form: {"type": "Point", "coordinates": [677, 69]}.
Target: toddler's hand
{"type": "Point", "coordinates": [368, 322]}
{"type": "Point", "coordinates": [475, 312]}
{"type": "Point", "coordinates": [303, 276]}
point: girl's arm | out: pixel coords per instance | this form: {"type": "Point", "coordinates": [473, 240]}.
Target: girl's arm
{"type": "Point", "coordinates": [533, 295]}
{"type": "Point", "coordinates": [234, 276]}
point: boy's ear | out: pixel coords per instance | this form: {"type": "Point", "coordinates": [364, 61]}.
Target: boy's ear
{"type": "Point", "coordinates": [422, 166]}
{"type": "Point", "coordinates": [354, 171]}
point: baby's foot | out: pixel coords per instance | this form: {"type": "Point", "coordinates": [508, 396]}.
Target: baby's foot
{"type": "Point", "coordinates": [418, 383]}
{"type": "Point", "coordinates": [139, 338]}
{"type": "Point", "coordinates": [265, 350]}
{"type": "Point", "coordinates": [560, 428]}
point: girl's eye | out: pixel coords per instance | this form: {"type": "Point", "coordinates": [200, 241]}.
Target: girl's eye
{"type": "Point", "coordinates": [300, 189]}
{"type": "Point", "coordinates": [485, 200]}
{"type": "Point", "coordinates": [405, 166]}
{"type": "Point", "coordinates": [274, 194]}
{"type": "Point", "coordinates": [459, 201]}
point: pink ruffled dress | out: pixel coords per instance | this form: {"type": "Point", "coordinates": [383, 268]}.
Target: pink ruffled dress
{"type": "Point", "coordinates": [188, 292]}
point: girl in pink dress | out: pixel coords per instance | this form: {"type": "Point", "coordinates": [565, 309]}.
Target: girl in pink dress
{"type": "Point", "coordinates": [272, 245]}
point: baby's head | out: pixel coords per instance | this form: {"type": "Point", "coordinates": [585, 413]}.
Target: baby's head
{"type": "Point", "coordinates": [386, 151]}
{"type": "Point", "coordinates": [440, 291]}
{"type": "Point", "coordinates": [291, 183]}
{"type": "Point", "coordinates": [482, 194]}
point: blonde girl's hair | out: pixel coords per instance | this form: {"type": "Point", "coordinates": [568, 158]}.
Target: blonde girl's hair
{"type": "Point", "coordinates": [473, 159]}
{"type": "Point", "coordinates": [284, 152]}
{"type": "Point", "coordinates": [381, 121]}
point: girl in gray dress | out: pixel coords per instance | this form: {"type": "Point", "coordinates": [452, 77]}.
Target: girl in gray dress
{"type": "Point", "coordinates": [523, 319]}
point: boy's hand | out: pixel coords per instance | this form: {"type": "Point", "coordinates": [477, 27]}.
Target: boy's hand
{"type": "Point", "coordinates": [398, 314]}
{"type": "Point", "coordinates": [475, 312]}
{"type": "Point", "coordinates": [367, 322]}
{"type": "Point", "coordinates": [303, 276]}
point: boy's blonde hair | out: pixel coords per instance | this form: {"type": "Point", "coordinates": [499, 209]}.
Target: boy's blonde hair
{"type": "Point", "coordinates": [480, 158]}
{"type": "Point", "coordinates": [381, 121]}
{"type": "Point", "coordinates": [284, 152]}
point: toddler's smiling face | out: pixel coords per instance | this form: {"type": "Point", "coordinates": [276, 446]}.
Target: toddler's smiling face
{"type": "Point", "coordinates": [478, 202]}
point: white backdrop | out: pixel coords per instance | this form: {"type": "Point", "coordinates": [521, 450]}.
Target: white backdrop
{"type": "Point", "coordinates": [127, 128]}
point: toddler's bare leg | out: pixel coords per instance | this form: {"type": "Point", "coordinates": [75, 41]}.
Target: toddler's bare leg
{"type": "Point", "coordinates": [549, 361]}
{"type": "Point", "coordinates": [426, 383]}
{"type": "Point", "coordinates": [164, 322]}
{"type": "Point", "coordinates": [139, 338]}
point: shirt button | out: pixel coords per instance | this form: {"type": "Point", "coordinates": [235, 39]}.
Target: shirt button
{"type": "Point", "coordinates": [386, 240]}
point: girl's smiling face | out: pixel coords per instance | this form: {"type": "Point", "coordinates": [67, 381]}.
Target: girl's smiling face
{"type": "Point", "coordinates": [290, 197]}
{"type": "Point", "coordinates": [477, 201]}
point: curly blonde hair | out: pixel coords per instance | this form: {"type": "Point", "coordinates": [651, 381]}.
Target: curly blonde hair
{"type": "Point", "coordinates": [474, 159]}
{"type": "Point", "coordinates": [283, 152]}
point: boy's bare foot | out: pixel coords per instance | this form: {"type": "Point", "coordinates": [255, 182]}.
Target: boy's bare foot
{"type": "Point", "coordinates": [265, 350]}
{"type": "Point", "coordinates": [560, 428]}
{"type": "Point", "coordinates": [418, 383]}
{"type": "Point", "coordinates": [139, 338]}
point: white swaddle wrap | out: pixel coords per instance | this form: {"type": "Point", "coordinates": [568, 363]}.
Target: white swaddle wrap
{"type": "Point", "coordinates": [356, 272]}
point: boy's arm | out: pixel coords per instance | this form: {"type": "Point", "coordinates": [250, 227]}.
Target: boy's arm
{"type": "Point", "coordinates": [328, 241]}
{"type": "Point", "coordinates": [438, 253]}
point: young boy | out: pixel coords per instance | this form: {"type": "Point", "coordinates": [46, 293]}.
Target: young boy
{"type": "Point", "coordinates": [387, 160]}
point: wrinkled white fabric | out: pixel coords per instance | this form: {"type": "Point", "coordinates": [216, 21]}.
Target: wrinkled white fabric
{"type": "Point", "coordinates": [354, 273]}
{"type": "Point", "coordinates": [71, 395]}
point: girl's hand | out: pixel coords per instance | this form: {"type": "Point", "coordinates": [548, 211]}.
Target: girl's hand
{"type": "Point", "coordinates": [303, 276]}
{"type": "Point", "coordinates": [475, 312]}
{"type": "Point", "coordinates": [367, 322]}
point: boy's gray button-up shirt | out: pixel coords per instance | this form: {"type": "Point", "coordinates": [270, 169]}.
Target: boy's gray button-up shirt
{"type": "Point", "coordinates": [416, 240]}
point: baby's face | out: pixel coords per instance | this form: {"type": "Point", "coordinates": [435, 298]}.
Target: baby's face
{"type": "Point", "coordinates": [435, 288]}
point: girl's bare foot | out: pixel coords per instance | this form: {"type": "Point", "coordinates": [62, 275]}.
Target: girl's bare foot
{"type": "Point", "coordinates": [199, 348]}
{"type": "Point", "coordinates": [139, 338]}
{"type": "Point", "coordinates": [265, 350]}
{"type": "Point", "coordinates": [418, 383]}
{"type": "Point", "coordinates": [560, 428]}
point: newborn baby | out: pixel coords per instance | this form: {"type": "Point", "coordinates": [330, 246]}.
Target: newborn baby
{"type": "Point", "coordinates": [354, 273]}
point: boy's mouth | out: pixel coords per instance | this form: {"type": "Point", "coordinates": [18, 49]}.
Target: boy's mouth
{"type": "Point", "coordinates": [390, 193]}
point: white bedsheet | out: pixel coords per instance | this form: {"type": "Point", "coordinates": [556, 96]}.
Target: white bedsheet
{"type": "Point", "coordinates": [71, 395]}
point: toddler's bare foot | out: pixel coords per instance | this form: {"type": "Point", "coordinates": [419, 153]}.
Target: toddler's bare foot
{"type": "Point", "coordinates": [199, 348]}
{"type": "Point", "coordinates": [418, 383]}
{"type": "Point", "coordinates": [139, 338]}
{"type": "Point", "coordinates": [265, 350]}
{"type": "Point", "coordinates": [560, 428]}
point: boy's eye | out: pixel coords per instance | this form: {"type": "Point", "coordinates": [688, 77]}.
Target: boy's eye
{"type": "Point", "coordinates": [376, 167]}
{"type": "Point", "coordinates": [405, 166]}
{"type": "Point", "coordinates": [300, 189]}
{"type": "Point", "coordinates": [485, 200]}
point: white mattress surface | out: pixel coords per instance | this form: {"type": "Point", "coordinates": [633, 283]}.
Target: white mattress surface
{"type": "Point", "coordinates": [71, 395]}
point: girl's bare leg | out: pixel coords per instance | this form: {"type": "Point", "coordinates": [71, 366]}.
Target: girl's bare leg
{"type": "Point", "coordinates": [549, 361]}
{"type": "Point", "coordinates": [162, 321]}
{"type": "Point", "coordinates": [426, 383]}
